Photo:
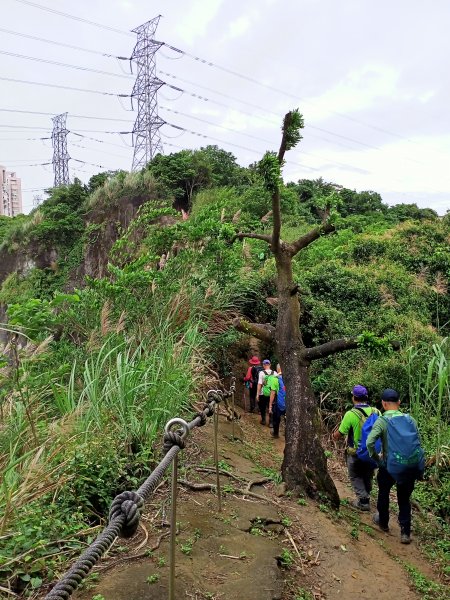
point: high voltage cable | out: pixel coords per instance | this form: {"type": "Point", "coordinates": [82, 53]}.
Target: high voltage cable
{"type": "Point", "coordinates": [217, 66]}
{"type": "Point", "coordinates": [204, 87]}
{"type": "Point", "coordinates": [65, 65]}
{"type": "Point", "coordinates": [35, 112]}
{"type": "Point", "coordinates": [342, 164]}
{"type": "Point", "coordinates": [64, 87]}
{"type": "Point", "coordinates": [194, 95]}
{"type": "Point", "coordinates": [252, 105]}
{"type": "Point", "coordinates": [55, 43]}
{"type": "Point", "coordinates": [63, 14]}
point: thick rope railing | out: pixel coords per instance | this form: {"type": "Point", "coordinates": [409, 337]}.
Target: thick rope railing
{"type": "Point", "coordinates": [125, 509]}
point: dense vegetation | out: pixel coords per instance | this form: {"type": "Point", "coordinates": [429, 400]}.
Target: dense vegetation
{"type": "Point", "coordinates": [91, 372]}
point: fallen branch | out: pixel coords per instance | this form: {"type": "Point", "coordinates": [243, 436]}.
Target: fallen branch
{"type": "Point", "coordinates": [135, 556]}
{"type": "Point", "coordinates": [291, 539]}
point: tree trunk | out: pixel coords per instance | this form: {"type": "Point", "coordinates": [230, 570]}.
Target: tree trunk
{"type": "Point", "coordinates": [302, 414]}
{"type": "Point", "coordinates": [302, 430]}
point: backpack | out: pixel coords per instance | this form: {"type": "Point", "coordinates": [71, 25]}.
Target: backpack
{"type": "Point", "coordinates": [281, 396]}
{"type": "Point", "coordinates": [265, 382]}
{"type": "Point", "coordinates": [256, 370]}
{"type": "Point", "coordinates": [405, 459]}
{"type": "Point", "coordinates": [368, 422]}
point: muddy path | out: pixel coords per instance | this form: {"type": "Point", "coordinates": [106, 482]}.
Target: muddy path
{"type": "Point", "coordinates": [263, 545]}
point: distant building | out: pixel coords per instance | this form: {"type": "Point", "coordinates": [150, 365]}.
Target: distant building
{"type": "Point", "coordinates": [11, 193]}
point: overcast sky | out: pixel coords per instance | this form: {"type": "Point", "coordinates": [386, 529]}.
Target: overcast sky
{"type": "Point", "coordinates": [371, 78]}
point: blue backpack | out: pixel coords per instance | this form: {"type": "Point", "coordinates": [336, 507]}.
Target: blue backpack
{"type": "Point", "coordinates": [281, 395]}
{"type": "Point", "coordinates": [406, 458]}
{"type": "Point", "coordinates": [368, 422]}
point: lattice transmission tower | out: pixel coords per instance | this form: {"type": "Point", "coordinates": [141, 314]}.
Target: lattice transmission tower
{"type": "Point", "coordinates": [60, 155]}
{"type": "Point", "coordinates": [146, 137]}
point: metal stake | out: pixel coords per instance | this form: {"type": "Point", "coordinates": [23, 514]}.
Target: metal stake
{"type": "Point", "coordinates": [173, 528]}
{"type": "Point", "coordinates": [173, 512]}
{"type": "Point", "coordinates": [216, 457]}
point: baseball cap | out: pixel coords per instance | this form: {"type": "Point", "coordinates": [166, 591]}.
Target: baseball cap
{"type": "Point", "coordinates": [390, 395]}
{"type": "Point", "coordinates": [266, 361]}
{"type": "Point", "coordinates": [359, 391]}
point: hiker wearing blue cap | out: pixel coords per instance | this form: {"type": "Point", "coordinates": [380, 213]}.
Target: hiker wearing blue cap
{"type": "Point", "coordinates": [356, 425]}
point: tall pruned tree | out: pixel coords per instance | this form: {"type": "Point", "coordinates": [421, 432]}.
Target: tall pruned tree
{"type": "Point", "coordinates": [305, 464]}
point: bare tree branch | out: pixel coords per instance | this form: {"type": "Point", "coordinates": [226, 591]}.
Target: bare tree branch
{"type": "Point", "coordinates": [276, 203]}
{"type": "Point", "coordinates": [310, 237]}
{"type": "Point", "coordinates": [265, 332]}
{"type": "Point", "coordinates": [332, 347]}
{"type": "Point", "coordinates": [255, 236]}
{"type": "Point", "coordinates": [335, 346]}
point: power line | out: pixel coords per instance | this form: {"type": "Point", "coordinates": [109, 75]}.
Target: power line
{"type": "Point", "coordinates": [55, 43]}
{"type": "Point", "coordinates": [65, 65]}
{"type": "Point", "coordinates": [63, 87]}
{"type": "Point", "coordinates": [63, 14]}
{"type": "Point", "coordinates": [49, 114]}
{"type": "Point", "coordinates": [220, 67]}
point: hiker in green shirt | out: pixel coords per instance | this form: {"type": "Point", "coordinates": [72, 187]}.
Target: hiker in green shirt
{"type": "Point", "coordinates": [359, 472]}
{"type": "Point", "coordinates": [266, 380]}
{"type": "Point", "coordinates": [391, 402]}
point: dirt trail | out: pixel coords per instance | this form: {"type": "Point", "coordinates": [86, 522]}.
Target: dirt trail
{"type": "Point", "coordinates": [236, 554]}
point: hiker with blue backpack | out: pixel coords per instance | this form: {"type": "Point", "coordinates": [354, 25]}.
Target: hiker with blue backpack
{"type": "Point", "coordinates": [277, 404]}
{"type": "Point", "coordinates": [356, 425]}
{"type": "Point", "coordinates": [401, 462]}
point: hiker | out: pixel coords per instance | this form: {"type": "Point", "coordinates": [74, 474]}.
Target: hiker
{"type": "Point", "coordinates": [360, 467]}
{"type": "Point", "coordinates": [266, 379]}
{"type": "Point", "coordinates": [251, 379]}
{"type": "Point", "coordinates": [277, 404]}
{"type": "Point", "coordinates": [402, 462]}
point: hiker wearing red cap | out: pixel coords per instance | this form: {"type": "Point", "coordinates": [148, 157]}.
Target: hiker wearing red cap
{"type": "Point", "coordinates": [356, 425]}
{"type": "Point", "coordinates": [251, 380]}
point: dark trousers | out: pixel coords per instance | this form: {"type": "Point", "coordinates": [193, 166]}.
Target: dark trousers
{"type": "Point", "coordinates": [263, 404]}
{"type": "Point", "coordinates": [252, 395]}
{"type": "Point", "coordinates": [361, 476]}
{"type": "Point", "coordinates": [404, 491]}
{"type": "Point", "coordinates": [276, 417]}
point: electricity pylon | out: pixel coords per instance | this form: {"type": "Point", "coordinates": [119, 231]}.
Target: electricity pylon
{"type": "Point", "coordinates": [146, 138]}
{"type": "Point", "coordinates": [60, 155]}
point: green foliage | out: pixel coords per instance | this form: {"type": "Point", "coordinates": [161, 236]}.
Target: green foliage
{"type": "Point", "coordinates": [184, 173]}
{"type": "Point", "coordinates": [286, 559]}
{"type": "Point", "coordinates": [270, 170]}
{"type": "Point", "coordinates": [293, 123]}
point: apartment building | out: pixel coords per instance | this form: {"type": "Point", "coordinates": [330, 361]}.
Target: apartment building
{"type": "Point", "coordinates": [10, 193]}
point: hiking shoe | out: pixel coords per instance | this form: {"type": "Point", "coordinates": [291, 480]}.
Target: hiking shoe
{"type": "Point", "coordinates": [274, 435]}
{"type": "Point", "coordinates": [361, 504]}
{"type": "Point", "coordinates": [405, 538]}
{"type": "Point", "coordinates": [376, 520]}
{"type": "Point", "coordinates": [263, 421]}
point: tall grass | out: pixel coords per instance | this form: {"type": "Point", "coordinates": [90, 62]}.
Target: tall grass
{"type": "Point", "coordinates": [95, 432]}
{"type": "Point", "coordinates": [429, 391]}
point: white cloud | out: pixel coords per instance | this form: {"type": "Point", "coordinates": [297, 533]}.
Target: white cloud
{"type": "Point", "coordinates": [238, 27]}
{"type": "Point", "coordinates": [195, 21]}
{"type": "Point", "coordinates": [360, 89]}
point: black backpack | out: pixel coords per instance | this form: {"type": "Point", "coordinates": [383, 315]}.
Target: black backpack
{"type": "Point", "coordinates": [256, 370]}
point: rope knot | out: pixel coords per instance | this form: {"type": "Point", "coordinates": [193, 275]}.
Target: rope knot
{"type": "Point", "coordinates": [208, 409]}
{"type": "Point", "coordinates": [172, 438]}
{"type": "Point", "coordinates": [202, 417]}
{"type": "Point", "coordinates": [128, 504]}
